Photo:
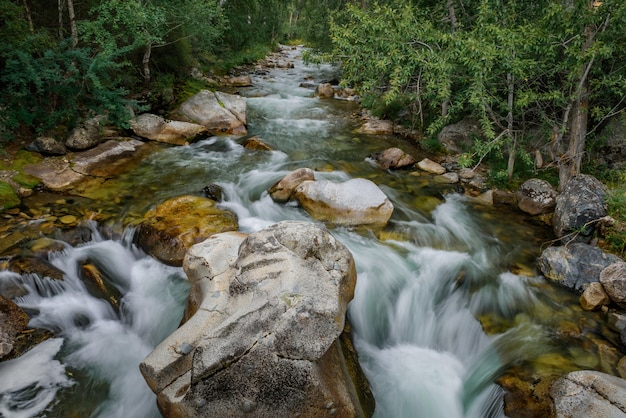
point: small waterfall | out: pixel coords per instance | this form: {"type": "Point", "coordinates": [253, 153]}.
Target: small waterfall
{"type": "Point", "coordinates": [100, 343]}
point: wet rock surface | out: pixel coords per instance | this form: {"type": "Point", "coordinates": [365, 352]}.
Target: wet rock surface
{"type": "Point", "coordinates": [262, 339]}
{"type": "Point", "coordinates": [354, 202]}
{"type": "Point", "coordinates": [171, 228]}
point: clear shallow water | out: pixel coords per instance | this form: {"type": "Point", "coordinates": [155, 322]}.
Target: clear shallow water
{"type": "Point", "coordinates": [428, 283]}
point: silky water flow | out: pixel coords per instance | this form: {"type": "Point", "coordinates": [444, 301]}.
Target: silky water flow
{"type": "Point", "coordinates": [422, 281]}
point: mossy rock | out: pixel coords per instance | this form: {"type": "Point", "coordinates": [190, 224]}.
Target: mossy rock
{"type": "Point", "coordinates": [167, 232]}
{"type": "Point", "coordinates": [26, 180]}
{"type": "Point", "coordinates": [8, 198]}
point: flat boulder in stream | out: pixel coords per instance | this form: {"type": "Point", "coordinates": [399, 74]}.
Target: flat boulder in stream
{"type": "Point", "coordinates": [171, 228]}
{"type": "Point", "coordinates": [105, 160]}
{"type": "Point", "coordinates": [354, 202]}
{"type": "Point", "coordinates": [264, 336]}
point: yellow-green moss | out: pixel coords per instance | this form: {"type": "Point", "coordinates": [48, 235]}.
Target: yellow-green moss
{"type": "Point", "coordinates": [26, 180]}
{"type": "Point", "coordinates": [8, 197]}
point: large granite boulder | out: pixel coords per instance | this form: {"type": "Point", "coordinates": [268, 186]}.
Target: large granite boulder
{"type": "Point", "coordinates": [580, 204]}
{"type": "Point", "coordinates": [575, 265]}
{"type": "Point", "coordinates": [265, 315]}
{"type": "Point", "coordinates": [354, 202]}
{"type": "Point", "coordinates": [220, 113]}
{"type": "Point", "coordinates": [169, 230]}
{"type": "Point", "coordinates": [589, 394]}
{"type": "Point", "coordinates": [156, 128]}
{"type": "Point", "coordinates": [536, 197]}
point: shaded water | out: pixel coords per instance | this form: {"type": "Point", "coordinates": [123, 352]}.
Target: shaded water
{"type": "Point", "coordinates": [428, 283]}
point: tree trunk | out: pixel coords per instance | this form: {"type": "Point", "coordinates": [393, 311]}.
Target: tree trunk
{"type": "Point", "coordinates": [146, 65]}
{"type": "Point", "coordinates": [29, 18]}
{"type": "Point", "coordinates": [452, 14]}
{"type": "Point", "coordinates": [70, 9]}
{"type": "Point", "coordinates": [510, 82]}
{"type": "Point", "coordinates": [570, 162]}
{"type": "Point", "coordinates": [60, 7]}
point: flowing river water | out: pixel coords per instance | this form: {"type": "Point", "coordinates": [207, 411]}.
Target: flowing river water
{"type": "Point", "coordinates": [447, 301]}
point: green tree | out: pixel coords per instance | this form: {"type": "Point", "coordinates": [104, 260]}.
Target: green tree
{"type": "Point", "coordinates": [509, 64]}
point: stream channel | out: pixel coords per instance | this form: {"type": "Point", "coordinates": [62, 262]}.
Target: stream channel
{"type": "Point", "coordinates": [447, 300]}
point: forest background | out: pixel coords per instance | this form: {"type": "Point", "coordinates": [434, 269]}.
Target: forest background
{"type": "Point", "coordinates": [543, 78]}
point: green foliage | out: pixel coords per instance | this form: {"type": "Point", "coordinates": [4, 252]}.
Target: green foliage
{"type": "Point", "coordinates": [222, 63]}
{"type": "Point", "coordinates": [616, 208]}
{"type": "Point", "coordinates": [509, 65]}
{"type": "Point", "coordinates": [58, 86]}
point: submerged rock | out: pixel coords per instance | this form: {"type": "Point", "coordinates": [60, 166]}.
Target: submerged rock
{"type": "Point", "coordinates": [355, 202]}
{"type": "Point", "coordinates": [168, 230]}
{"type": "Point", "coordinates": [266, 312]}
{"type": "Point", "coordinates": [255, 143]}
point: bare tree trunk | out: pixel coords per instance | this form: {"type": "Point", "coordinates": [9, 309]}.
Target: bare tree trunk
{"type": "Point", "coordinates": [510, 82]}
{"type": "Point", "coordinates": [452, 13]}
{"type": "Point", "coordinates": [571, 160]}
{"type": "Point", "coordinates": [146, 65]}
{"type": "Point", "coordinates": [29, 18]}
{"type": "Point", "coordinates": [70, 9]}
{"type": "Point", "coordinates": [60, 7]}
